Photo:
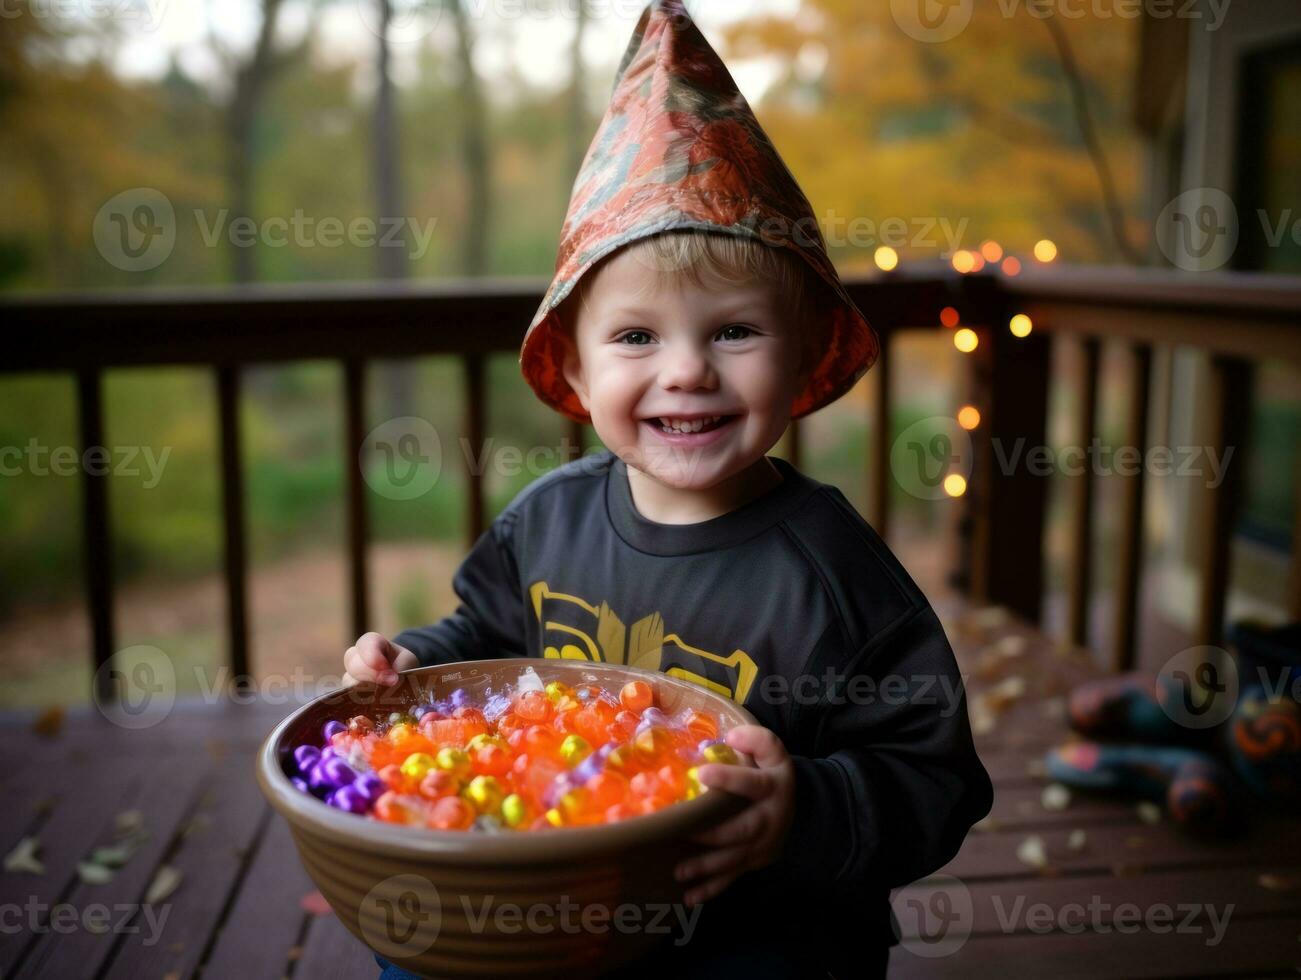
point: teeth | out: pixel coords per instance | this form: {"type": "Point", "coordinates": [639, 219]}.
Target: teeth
{"type": "Point", "coordinates": [682, 425]}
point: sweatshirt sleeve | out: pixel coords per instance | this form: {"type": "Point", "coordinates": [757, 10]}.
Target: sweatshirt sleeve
{"type": "Point", "coordinates": [894, 782]}
{"type": "Point", "coordinates": [489, 622]}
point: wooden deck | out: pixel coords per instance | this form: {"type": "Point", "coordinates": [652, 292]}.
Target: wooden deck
{"type": "Point", "coordinates": [238, 910]}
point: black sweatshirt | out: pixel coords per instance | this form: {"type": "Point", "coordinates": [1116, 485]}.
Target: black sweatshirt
{"type": "Point", "coordinates": [794, 607]}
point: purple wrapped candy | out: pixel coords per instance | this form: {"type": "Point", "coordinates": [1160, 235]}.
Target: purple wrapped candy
{"type": "Point", "coordinates": [328, 753]}
{"type": "Point", "coordinates": [370, 786]}
{"type": "Point", "coordinates": [654, 716]}
{"type": "Point", "coordinates": [588, 768]}
{"type": "Point", "coordinates": [332, 728]}
{"type": "Point", "coordinates": [350, 799]}
{"type": "Point", "coordinates": [420, 710]}
{"type": "Point", "coordinates": [318, 781]}
{"type": "Point", "coordinates": [300, 784]}
{"type": "Point", "coordinates": [460, 697]}
{"type": "Point", "coordinates": [496, 706]}
{"type": "Point", "coordinates": [337, 772]}
{"type": "Point", "coordinates": [306, 756]}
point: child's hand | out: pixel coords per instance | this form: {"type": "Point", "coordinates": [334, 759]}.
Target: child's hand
{"type": "Point", "coordinates": [376, 659]}
{"type": "Point", "coordinates": [755, 836]}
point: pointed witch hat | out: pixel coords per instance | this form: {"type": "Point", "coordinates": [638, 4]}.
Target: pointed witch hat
{"type": "Point", "coordinates": [680, 148]}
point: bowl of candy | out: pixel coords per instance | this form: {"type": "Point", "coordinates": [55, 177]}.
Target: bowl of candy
{"type": "Point", "coordinates": [512, 817]}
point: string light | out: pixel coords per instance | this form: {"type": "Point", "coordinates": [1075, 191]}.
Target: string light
{"type": "Point", "coordinates": [968, 417]}
{"type": "Point", "coordinates": [886, 258]}
{"type": "Point", "coordinates": [991, 250]}
{"type": "Point", "coordinates": [949, 317]}
{"type": "Point", "coordinates": [965, 340]}
{"type": "Point", "coordinates": [963, 261]}
{"type": "Point", "coordinates": [1020, 325]}
{"type": "Point", "coordinates": [955, 484]}
{"type": "Point", "coordinates": [1011, 266]}
{"type": "Point", "coordinates": [1045, 250]}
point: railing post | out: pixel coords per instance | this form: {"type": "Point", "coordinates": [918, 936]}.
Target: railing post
{"type": "Point", "coordinates": [1081, 558]}
{"type": "Point", "coordinates": [98, 569]}
{"type": "Point", "coordinates": [1229, 398]}
{"type": "Point", "coordinates": [354, 409]}
{"type": "Point", "coordinates": [1008, 531]}
{"type": "Point", "coordinates": [1129, 555]}
{"type": "Point", "coordinates": [232, 498]}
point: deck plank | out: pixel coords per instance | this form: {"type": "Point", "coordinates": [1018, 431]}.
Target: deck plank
{"type": "Point", "coordinates": [331, 952]}
{"type": "Point", "coordinates": [1257, 948]}
{"type": "Point", "coordinates": [266, 906]}
{"type": "Point", "coordinates": [165, 795]}
{"type": "Point", "coordinates": [211, 857]}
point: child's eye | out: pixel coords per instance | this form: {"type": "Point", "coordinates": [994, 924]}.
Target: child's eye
{"type": "Point", "coordinates": [635, 337]}
{"type": "Point", "coordinates": [735, 331]}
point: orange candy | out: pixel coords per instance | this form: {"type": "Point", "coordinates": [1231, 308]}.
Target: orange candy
{"type": "Point", "coordinates": [636, 696]}
{"type": "Point", "coordinates": [534, 707]}
{"type": "Point", "coordinates": [451, 813]}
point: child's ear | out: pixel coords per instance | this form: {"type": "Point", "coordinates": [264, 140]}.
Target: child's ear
{"type": "Point", "coordinates": [571, 366]}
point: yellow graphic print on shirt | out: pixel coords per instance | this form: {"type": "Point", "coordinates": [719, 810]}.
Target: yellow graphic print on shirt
{"type": "Point", "coordinates": [574, 629]}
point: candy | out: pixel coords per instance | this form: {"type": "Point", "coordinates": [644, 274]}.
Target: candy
{"type": "Point", "coordinates": [531, 756]}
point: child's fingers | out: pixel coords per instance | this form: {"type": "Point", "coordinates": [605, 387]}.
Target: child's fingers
{"type": "Point", "coordinates": [707, 890]}
{"type": "Point", "coordinates": [753, 784]}
{"type": "Point", "coordinates": [720, 861]}
{"type": "Point", "coordinates": [744, 827]}
{"type": "Point", "coordinates": [760, 743]}
{"type": "Point", "coordinates": [378, 654]}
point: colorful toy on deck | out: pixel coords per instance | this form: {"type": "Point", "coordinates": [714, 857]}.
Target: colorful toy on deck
{"type": "Point", "coordinates": [528, 758]}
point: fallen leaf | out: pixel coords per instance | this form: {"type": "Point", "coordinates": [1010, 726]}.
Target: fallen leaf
{"type": "Point", "coordinates": [315, 903]}
{"type": "Point", "coordinates": [113, 856]}
{"type": "Point", "coordinates": [23, 857]}
{"type": "Point", "coordinates": [1076, 840]}
{"type": "Point", "coordinates": [166, 880]}
{"type": "Point", "coordinates": [1031, 851]}
{"type": "Point", "coordinates": [49, 723]}
{"type": "Point", "coordinates": [1036, 768]}
{"type": "Point", "coordinates": [94, 874]}
{"type": "Point", "coordinates": [1148, 812]}
{"type": "Point", "coordinates": [1011, 646]}
{"type": "Point", "coordinates": [1279, 883]}
{"type": "Point", "coordinates": [1055, 797]}
{"type": "Point", "coordinates": [294, 953]}
{"type": "Point", "coordinates": [129, 822]}
{"type": "Point", "coordinates": [985, 825]}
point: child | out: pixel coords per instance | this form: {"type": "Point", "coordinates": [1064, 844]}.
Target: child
{"type": "Point", "coordinates": [694, 312]}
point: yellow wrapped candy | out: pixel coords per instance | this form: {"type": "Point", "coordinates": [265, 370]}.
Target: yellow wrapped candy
{"type": "Point", "coordinates": [513, 810]}
{"type": "Point", "coordinates": [485, 793]}
{"type": "Point", "coordinates": [557, 690]}
{"type": "Point", "coordinates": [417, 765]}
{"type": "Point", "coordinates": [453, 760]}
{"type": "Point", "coordinates": [721, 752]}
{"type": "Point", "coordinates": [574, 749]}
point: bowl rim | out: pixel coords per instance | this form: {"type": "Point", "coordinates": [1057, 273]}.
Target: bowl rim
{"type": "Point", "coordinates": [306, 813]}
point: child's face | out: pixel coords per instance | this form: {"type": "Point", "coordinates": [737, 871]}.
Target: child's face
{"type": "Point", "coordinates": [649, 349]}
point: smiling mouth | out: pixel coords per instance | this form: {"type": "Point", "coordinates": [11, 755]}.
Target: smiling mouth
{"type": "Point", "coordinates": [688, 426]}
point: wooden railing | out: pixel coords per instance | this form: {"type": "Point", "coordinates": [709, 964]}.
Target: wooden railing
{"type": "Point", "coordinates": [1236, 319]}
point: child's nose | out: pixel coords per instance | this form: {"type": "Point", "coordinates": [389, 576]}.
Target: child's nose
{"type": "Point", "coordinates": [686, 366]}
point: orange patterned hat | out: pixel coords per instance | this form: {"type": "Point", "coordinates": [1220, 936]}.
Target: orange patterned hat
{"type": "Point", "coordinates": [680, 148]}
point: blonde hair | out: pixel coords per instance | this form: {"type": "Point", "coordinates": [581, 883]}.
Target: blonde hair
{"type": "Point", "coordinates": [705, 258]}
